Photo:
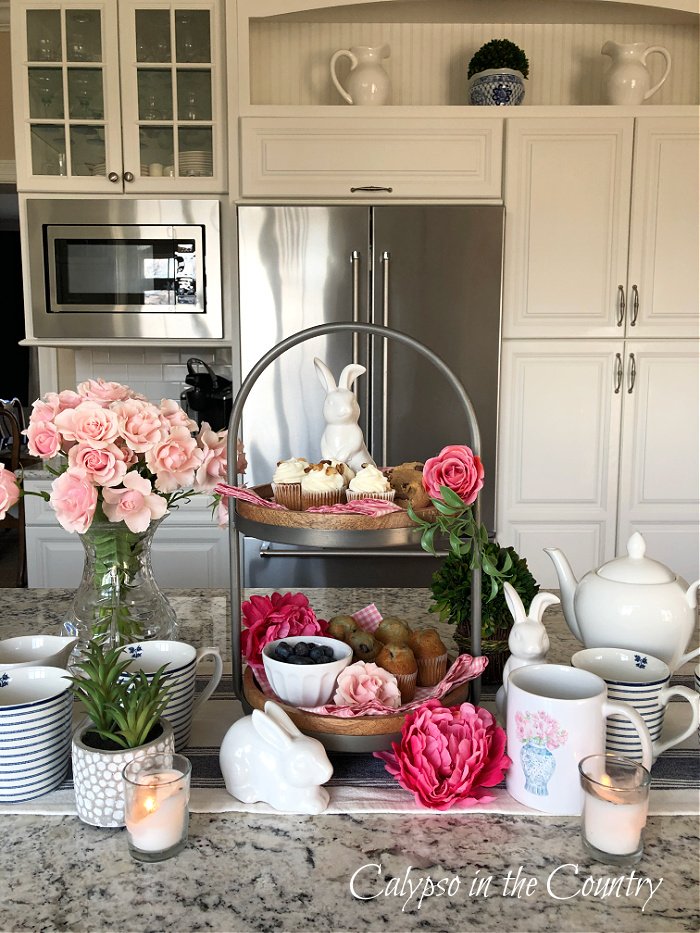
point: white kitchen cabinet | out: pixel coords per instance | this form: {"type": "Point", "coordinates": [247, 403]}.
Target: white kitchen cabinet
{"type": "Point", "coordinates": [599, 438]}
{"type": "Point", "coordinates": [577, 262]}
{"type": "Point", "coordinates": [189, 549]}
{"type": "Point", "coordinates": [121, 96]}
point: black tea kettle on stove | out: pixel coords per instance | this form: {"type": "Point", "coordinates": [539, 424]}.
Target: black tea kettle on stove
{"type": "Point", "coordinates": [208, 397]}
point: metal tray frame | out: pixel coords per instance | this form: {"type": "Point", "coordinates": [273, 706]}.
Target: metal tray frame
{"type": "Point", "coordinates": [340, 539]}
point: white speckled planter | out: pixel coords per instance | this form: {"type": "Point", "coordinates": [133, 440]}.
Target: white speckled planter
{"type": "Point", "coordinates": [97, 775]}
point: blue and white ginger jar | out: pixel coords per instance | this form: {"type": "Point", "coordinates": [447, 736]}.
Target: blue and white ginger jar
{"type": "Point", "coordinates": [498, 87]}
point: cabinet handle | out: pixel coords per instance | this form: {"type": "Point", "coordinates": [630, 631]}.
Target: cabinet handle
{"type": "Point", "coordinates": [113, 177]}
{"type": "Point", "coordinates": [128, 176]}
{"type": "Point", "coordinates": [371, 188]}
{"type": "Point", "coordinates": [618, 373]}
{"type": "Point", "coordinates": [355, 264]}
{"type": "Point", "coordinates": [632, 374]}
{"type": "Point", "coordinates": [635, 305]}
{"type": "Point", "coordinates": [620, 305]}
{"type": "Point", "coordinates": [266, 551]}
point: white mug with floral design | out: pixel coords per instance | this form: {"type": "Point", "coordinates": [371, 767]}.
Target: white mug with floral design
{"type": "Point", "coordinates": [556, 717]}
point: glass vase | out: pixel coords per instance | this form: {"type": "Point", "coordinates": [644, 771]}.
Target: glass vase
{"type": "Point", "coordinates": [118, 595]}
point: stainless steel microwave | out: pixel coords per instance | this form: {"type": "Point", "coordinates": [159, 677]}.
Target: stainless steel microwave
{"type": "Point", "coordinates": [121, 268]}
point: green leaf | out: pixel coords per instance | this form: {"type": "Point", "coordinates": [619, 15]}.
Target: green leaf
{"type": "Point", "coordinates": [451, 498]}
{"type": "Point", "coordinates": [427, 539]}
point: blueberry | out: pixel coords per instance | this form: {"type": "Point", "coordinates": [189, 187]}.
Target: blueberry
{"type": "Point", "coordinates": [301, 649]}
{"type": "Point", "coordinates": [328, 651]}
{"type": "Point", "coordinates": [298, 659]}
{"type": "Point", "coordinates": [318, 655]}
{"type": "Point", "coordinates": [283, 650]}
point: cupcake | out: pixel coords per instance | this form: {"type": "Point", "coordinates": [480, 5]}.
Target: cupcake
{"type": "Point", "coordinates": [431, 656]}
{"type": "Point", "coordinates": [400, 661]}
{"type": "Point", "coordinates": [346, 471]}
{"type": "Point", "coordinates": [369, 483]}
{"type": "Point", "coordinates": [286, 482]}
{"type": "Point", "coordinates": [321, 484]}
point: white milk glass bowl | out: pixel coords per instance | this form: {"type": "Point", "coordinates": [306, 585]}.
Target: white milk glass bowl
{"type": "Point", "coordinates": [306, 684]}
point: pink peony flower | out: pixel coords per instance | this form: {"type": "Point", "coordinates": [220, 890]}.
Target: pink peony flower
{"type": "Point", "coordinates": [74, 499]}
{"type": "Point", "coordinates": [175, 415]}
{"type": "Point", "coordinates": [141, 424]}
{"type": "Point", "coordinates": [362, 682]}
{"type": "Point", "coordinates": [271, 617]}
{"type": "Point", "coordinates": [457, 468]}
{"type": "Point", "coordinates": [175, 460]}
{"type": "Point", "coordinates": [213, 467]}
{"type": "Point", "coordinates": [97, 390]}
{"type": "Point", "coordinates": [106, 466]}
{"type": "Point", "coordinates": [448, 754]}
{"type": "Point", "coordinates": [136, 504]}
{"type": "Point", "coordinates": [43, 439]}
{"type": "Point", "coordinates": [9, 490]}
{"type": "Point", "coordinates": [88, 422]}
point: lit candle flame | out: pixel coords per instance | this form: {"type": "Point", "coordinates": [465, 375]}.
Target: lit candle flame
{"type": "Point", "coordinates": [606, 780]}
{"type": "Point", "coordinates": [150, 804]}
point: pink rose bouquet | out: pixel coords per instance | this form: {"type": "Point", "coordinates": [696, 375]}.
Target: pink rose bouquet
{"type": "Point", "coordinates": [363, 682]}
{"type": "Point", "coordinates": [448, 755]}
{"type": "Point", "coordinates": [9, 490]}
{"type": "Point", "coordinates": [457, 468]}
{"type": "Point", "coordinates": [268, 618]}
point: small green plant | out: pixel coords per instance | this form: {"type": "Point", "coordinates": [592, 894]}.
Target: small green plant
{"type": "Point", "coordinates": [124, 708]}
{"type": "Point", "coordinates": [499, 53]}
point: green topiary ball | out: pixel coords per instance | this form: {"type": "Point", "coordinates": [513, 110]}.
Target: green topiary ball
{"type": "Point", "coordinates": [499, 53]}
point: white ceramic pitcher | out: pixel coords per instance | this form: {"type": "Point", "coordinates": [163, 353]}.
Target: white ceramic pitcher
{"type": "Point", "coordinates": [628, 80]}
{"type": "Point", "coordinates": [368, 83]}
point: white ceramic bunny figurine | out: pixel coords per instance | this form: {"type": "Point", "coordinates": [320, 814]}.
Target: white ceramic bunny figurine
{"type": "Point", "coordinates": [265, 757]}
{"type": "Point", "coordinates": [343, 439]}
{"type": "Point", "coordinates": [528, 641]}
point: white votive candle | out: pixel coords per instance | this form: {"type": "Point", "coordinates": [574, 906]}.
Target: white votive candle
{"type": "Point", "coordinates": [157, 814]}
{"type": "Point", "coordinates": [613, 824]}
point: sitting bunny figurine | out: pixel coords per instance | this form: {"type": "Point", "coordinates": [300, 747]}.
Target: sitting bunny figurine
{"type": "Point", "coordinates": [343, 439]}
{"type": "Point", "coordinates": [265, 757]}
{"type": "Point", "coordinates": [528, 640]}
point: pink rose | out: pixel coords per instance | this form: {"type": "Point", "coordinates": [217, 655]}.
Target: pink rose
{"type": "Point", "coordinates": [135, 505]}
{"type": "Point", "coordinates": [74, 499]}
{"type": "Point", "coordinates": [43, 439]}
{"type": "Point", "coordinates": [363, 682]}
{"type": "Point", "coordinates": [213, 466]}
{"type": "Point", "coordinates": [9, 490]}
{"type": "Point", "coordinates": [88, 422]}
{"type": "Point", "coordinates": [222, 512]}
{"type": "Point", "coordinates": [141, 424]}
{"type": "Point", "coordinates": [175, 415]}
{"type": "Point", "coordinates": [271, 617]}
{"type": "Point", "coordinates": [174, 460]}
{"type": "Point", "coordinates": [43, 410]}
{"type": "Point", "coordinates": [97, 390]}
{"type": "Point", "coordinates": [104, 465]}
{"type": "Point", "coordinates": [457, 468]}
{"type": "Point", "coordinates": [448, 754]}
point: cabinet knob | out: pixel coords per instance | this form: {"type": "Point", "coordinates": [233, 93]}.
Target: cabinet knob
{"type": "Point", "coordinates": [128, 176]}
{"type": "Point", "coordinates": [113, 177]}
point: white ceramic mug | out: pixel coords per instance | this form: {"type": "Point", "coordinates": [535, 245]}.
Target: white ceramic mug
{"type": "Point", "coordinates": [556, 717]}
{"type": "Point", "coordinates": [697, 688]}
{"type": "Point", "coordinates": [33, 650]}
{"type": "Point", "coordinates": [182, 661]}
{"type": "Point", "coordinates": [642, 681]}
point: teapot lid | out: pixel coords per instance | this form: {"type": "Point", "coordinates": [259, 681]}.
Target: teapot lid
{"type": "Point", "coordinates": [636, 568]}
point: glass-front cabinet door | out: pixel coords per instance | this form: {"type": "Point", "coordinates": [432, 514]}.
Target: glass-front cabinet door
{"type": "Point", "coordinates": [119, 96]}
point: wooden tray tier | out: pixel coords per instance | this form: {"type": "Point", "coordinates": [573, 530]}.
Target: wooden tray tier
{"type": "Point", "coordinates": [319, 529]}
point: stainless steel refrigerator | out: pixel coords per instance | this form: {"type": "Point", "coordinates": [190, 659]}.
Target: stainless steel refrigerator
{"type": "Point", "coordinates": [433, 272]}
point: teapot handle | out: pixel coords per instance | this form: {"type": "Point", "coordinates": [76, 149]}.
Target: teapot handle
{"type": "Point", "coordinates": [667, 55]}
{"type": "Point", "coordinates": [353, 62]}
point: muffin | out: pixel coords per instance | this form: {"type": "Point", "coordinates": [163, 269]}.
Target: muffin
{"type": "Point", "coordinates": [365, 646]}
{"type": "Point", "coordinates": [369, 483]}
{"type": "Point", "coordinates": [406, 480]}
{"type": "Point", "coordinates": [342, 627]}
{"type": "Point", "coordinates": [321, 484]}
{"type": "Point", "coordinates": [393, 631]}
{"type": "Point", "coordinates": [286, 482]}
{"type": "Point", "coordinates": [400, 661]}
{"type": "Point", "coordinates": [431, 656]}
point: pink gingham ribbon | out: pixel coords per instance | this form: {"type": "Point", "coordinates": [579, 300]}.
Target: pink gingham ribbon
{"type": "Point", "coordinates": [368, 618]}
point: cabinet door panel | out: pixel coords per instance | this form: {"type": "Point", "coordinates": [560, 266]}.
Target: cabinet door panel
{"type": "Point", "coordinates": [567, 194]}
{"type": "Point", "coordinates": [664, 245]}
{"type": "Point", "coordinates": [659, 469]}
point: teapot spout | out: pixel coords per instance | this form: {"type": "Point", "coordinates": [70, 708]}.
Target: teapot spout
{"type": "Point", "coordinates": [567, 586]}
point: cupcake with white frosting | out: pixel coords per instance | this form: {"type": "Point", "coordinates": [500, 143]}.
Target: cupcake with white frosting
{"type": "Point", "coordinates": [286, 482]}
{"type": "Point", "coordinates": [369, 483]}
{"type": "Point", "coordinates": [346, 471]}
{"type": "Point", "coordinates": [321, 484]}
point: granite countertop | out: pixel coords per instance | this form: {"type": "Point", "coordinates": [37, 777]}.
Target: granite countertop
{"type": "Point", "coordinates": [245, 872]}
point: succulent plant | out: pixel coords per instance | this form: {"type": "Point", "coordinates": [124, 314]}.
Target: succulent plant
{"type": "Point", "coordinates": [499, 53]}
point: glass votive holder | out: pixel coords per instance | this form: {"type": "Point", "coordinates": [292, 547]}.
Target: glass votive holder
{"type": "Point", "coordinates": [157, 794]}
{"type": "Point", "coordinates": [615, 804]}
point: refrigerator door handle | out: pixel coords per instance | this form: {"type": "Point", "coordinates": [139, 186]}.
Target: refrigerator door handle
{"type": "Point", "coordinates": [386, 261]}
{"type": "Point", "coordinates": [266, 551]}
{"type": "Point", "coordinates": [355, 263]}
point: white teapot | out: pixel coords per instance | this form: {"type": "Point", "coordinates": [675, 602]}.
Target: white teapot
{"type": "Point", "coordinates": [631, 602]}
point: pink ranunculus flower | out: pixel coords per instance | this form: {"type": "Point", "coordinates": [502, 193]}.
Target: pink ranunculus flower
{"type": "Point", "coordinates": [448, 754]}
{"type": "Point", "coordinates": [105, 466]}
{"type": "Point", "coordinates": [364, 681]}
{"type": "Point", "coordinates": [269, 618]}
{"type": "Point", "coordinates": [174, 460]}
{"type": "Point", "coordinates": [135, 505]}
{"type": "Point", "coordinates": [43, 439]}
{"type": "Point", "coordinates": [74, 499]}
{"type": "Point", "coordinates": [175, 415]}
{"type": "Point", "coordinates": [9, 490]}
{"type": "Point", "coordinates": [141, 424]}
{"type": "Point", "coordinates": [213, 467]}
{"type": "Point", "coordinates": [97, 390]}
{"type": "Point", "coordinates": [88, 422]}
{"type": "Point", "coordinates": [457, 468]}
